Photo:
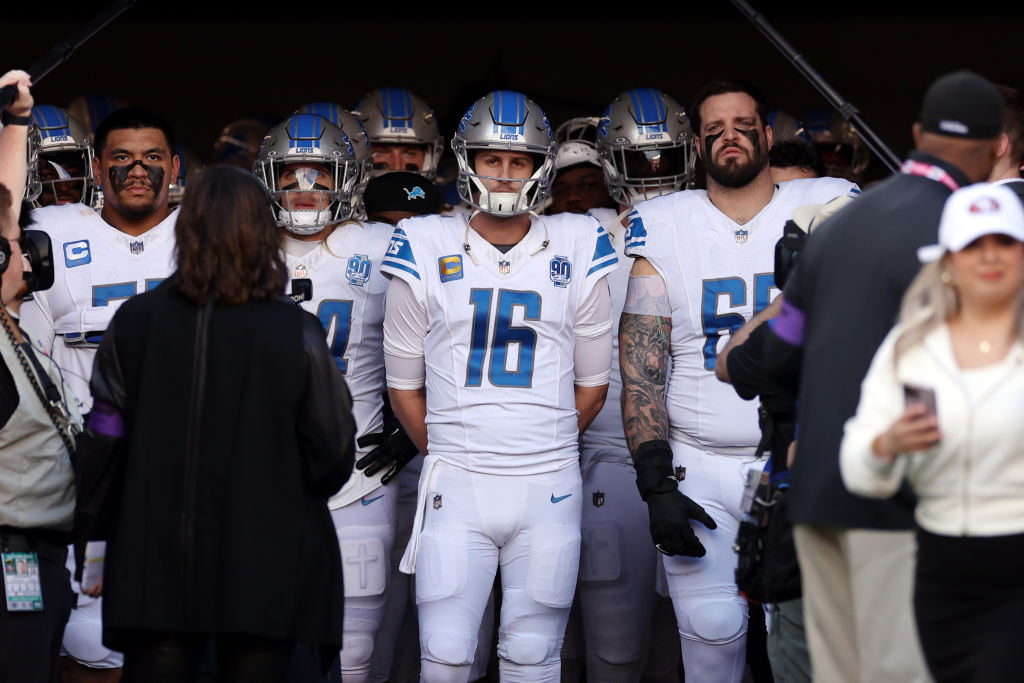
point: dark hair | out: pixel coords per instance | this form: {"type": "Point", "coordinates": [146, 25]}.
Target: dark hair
{"type": "Point", "coordinates": [229, 247]}
{"type": "Point", "coordinates": [723, 86]}
{"type": "Point", "coordinates": [1013, 120]}
{"type": "Point", "coordinates": [133, 118]}
{"type": "Point", "coordinates": [795, 154]}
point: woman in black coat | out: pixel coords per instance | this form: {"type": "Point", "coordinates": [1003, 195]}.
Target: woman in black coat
{"type": "Point", "coordinates": [234, 426]}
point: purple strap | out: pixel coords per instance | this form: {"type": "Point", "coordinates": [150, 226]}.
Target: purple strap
{"type": "Point", "coordinates": [106, 419]}
{"type": "Point", "coordinates": [788, 325]}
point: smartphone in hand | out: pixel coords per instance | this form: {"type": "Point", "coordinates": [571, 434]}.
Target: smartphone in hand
{"type": "Point", "coordinates": [913, 393]}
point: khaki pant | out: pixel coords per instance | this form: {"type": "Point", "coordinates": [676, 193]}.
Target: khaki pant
{"type": "Point", "coordinates": [858, 588]}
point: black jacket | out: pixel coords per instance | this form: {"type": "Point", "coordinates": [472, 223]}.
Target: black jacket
{"type": "Point", "coordinates": [849, 283]}
{"type": "Point", "coordinates": [222, 523]}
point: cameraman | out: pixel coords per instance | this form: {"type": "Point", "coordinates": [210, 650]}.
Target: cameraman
{"type": "Point", "coordinates": [38, 422]}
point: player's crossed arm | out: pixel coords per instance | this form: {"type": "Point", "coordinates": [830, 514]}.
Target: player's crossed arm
{"type": "Point", "coordinates": [644, 355]}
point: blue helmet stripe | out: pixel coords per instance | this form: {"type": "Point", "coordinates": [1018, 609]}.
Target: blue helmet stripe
{"type": "Point", "coordinates": [51, 120]}
{"type": "Point", "coordinates": [397, 105]}
{"type": "Point", "coordinates": [649, 108]}
{"type": "Point", "coordinates": [305, 129]}
{"type": "Point", "coordinates": [510, 110]}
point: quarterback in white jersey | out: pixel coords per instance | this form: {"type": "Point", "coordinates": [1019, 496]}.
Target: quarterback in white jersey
{"type": "Point", "coordinates": [703, 266]}
{"type": "Point", "coordinates": [313, 170]}
{"type": "Point", "coordinates": [100, 260]}
{"type": "Point", "coordinates": [497, 343]}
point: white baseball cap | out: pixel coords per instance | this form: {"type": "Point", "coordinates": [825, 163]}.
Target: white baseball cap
{"type": "Point", "coordinates": [972, 212]}
{"type": "Point", "coordinates": [574, 153]}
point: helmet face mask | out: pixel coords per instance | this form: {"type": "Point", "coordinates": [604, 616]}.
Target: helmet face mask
{"type": "Point", "coordinates": [841, 150]}
{"type": "Point", "coordinates": [59, 159]}
{"type": "Point", "coordinates": [297, 160]}
{"type": "Point", "coordinates": [395, 116]}
{"type": "Point", "coordinates": [646, 146]}
{"type": "Point", "coordinates": [504, 121]}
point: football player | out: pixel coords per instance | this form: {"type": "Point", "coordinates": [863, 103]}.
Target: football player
{"type": "Point", "coordinates": [703, 266]}
{"type": "Point", "coordinates": [313, 169]}
{"type": "Point", "coordinates": [497, 344]}
{"type": "Point", "coordinates": [841, 150]}
{"type": "Point", "coordinates": [101, 259]}
{"type": "Point", "coordinates": [646, 148]}
{"type": "Point", "coordinates": [403, 132]}
{"type": "Point", "coordinates": [579, 184]}
{"type": "Point", "coordinates": [60, 152]}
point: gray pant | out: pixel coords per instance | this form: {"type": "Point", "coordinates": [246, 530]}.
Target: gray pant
{"type": "Point", "coordinates": [787, 643]}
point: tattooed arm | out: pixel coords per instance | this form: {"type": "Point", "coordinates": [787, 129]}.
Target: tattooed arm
{"type": "Point", "coordinates": [644, 332]}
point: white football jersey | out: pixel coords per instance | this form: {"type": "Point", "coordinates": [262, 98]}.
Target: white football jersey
{"type": "Point", "coordinates": [348, 298]}
{"type": "Point", "coordinates": [96, 267]}
{"type": "Point", "coordinates": [500, 336]}
{"type": "Point", "coordinates": [606, 433]}
{"type": "Point", "coordinates": [718, 274]}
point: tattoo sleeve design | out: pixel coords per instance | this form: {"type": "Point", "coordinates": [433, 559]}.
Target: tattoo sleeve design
{"type": "Point", "coordinates": [643, 359]}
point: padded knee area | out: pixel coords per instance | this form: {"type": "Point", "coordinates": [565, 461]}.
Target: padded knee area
{"type": "Point", "coordinates": [83, 642]}
{"type": "Point", "coordinates": [447, 647]}
{"type": "Point", "coordinates": [356, 650]}
{"type": "Point", "coordinates": [527, 649]}
{"type": "Point", "coordinates": [714, 621]}
{"type": "Point", "coordinates": [436, 672]}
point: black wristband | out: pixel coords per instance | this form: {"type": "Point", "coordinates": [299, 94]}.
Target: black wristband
{"type": "Point", "coordinates": [653, 463]}
{"type": "Point", "coordinates": [9, 119]}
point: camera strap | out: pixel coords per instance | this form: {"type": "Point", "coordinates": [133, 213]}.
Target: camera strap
{"type": "Point", "coordinates": [45, 389]}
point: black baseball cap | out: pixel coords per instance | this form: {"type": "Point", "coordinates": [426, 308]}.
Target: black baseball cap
{"type": "Point", "coordinates": [401, 191]}
{"type": "Point", "coordinates": [962, 104]}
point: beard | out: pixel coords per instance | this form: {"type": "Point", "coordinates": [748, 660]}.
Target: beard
{"type": "Point", "coordinates": [738, 171]}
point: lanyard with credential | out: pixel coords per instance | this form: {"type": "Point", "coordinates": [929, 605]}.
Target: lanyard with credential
{"type": "Point", "coordinates": [929, 171]}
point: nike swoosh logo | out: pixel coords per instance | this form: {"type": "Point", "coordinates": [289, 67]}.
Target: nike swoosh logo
{"type": "Point", "coordinates": [559, 499]}
{"type": "Point", "coordinates": [367, 502]}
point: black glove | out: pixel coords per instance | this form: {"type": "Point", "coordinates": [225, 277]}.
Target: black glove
{"type": "Point", "coordinates": [670, 511]}
{"type": "Point", "coordinates": [394, 450]}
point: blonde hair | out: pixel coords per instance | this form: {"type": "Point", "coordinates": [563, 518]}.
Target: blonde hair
{"type": "Point", "coordinates": [930, 301]}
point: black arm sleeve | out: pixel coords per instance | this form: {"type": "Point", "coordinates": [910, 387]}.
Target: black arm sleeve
{"type": "Point", "coordinates": [8, 394]}
{"type": "Point", "coordinates": [326, 426]}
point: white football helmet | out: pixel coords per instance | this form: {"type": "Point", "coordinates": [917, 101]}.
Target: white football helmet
{"type": "Point", "coordinates": [646, 145]}
{"type": "Point", "coordinates": [300, 141]}
{"type": "Point", "coordinates": [504, 120]}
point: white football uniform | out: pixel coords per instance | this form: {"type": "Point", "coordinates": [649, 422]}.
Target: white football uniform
{"type": "Point", "coordinates": [348, 298]}
{"type": "Point", "coordinates": [96, 267]}
{"type": "Point", "coordinates": [718, 274]}
{"type": "Point", "coordinates": [500, 484]}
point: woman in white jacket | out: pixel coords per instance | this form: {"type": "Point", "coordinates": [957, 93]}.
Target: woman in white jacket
{"type": "Point", "coordinates": [941, 407]}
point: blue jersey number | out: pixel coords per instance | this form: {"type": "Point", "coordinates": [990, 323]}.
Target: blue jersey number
{"type": "Point", "coordinates": [715, 324]}
{"type": "Point", "coordinates": [505, 334]}
{"type": "Point", "coordinates": [102, 295]}
{"type": "Point", "coordinates": [339, 314]}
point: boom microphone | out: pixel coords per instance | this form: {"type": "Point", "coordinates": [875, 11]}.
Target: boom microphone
{"type": "Point", "coordinates": [59, 53]}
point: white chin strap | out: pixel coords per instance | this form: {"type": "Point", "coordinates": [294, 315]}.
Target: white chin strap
{"type": "Point", "coordinates": [303, 222]}
{"type": "Point", "coordinates": [500, 203]}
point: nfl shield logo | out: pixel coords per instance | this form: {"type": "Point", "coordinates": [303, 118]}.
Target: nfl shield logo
{"type": "Point", "coordinates": [741, 236]}
{"type": "Point", "coordinates": [358, 269]}
{"type": "Point", "coordinates": [680, 473]}
{"type": "Point", "coordinates": [437, 501]}
{"type": "Point", "coordinates": [504, 267]}
{"type": "Point", "coordinates": [598, 498]}
{"type": "Point", "coordinates": [300, 271]}
{"type": "Point", "coordinates": [136, 247]}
